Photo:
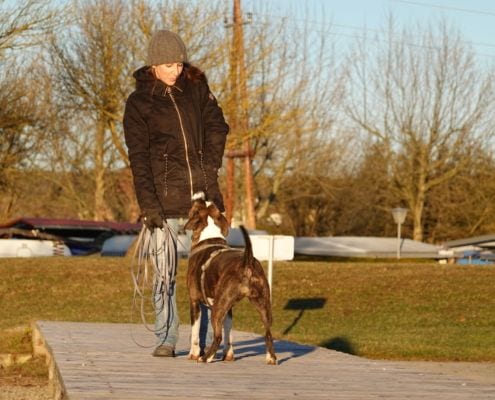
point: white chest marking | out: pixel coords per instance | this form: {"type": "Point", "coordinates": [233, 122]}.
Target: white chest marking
{"type": "Point", "coordinates": [211, 231]}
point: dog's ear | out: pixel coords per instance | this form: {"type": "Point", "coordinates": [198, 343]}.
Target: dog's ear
{"type": "Point", "coordinates": [197, 215]}
{"type": "Point", "coordinates": [191, 224]}
{"type": "Point", "coordinates": [219, 219]}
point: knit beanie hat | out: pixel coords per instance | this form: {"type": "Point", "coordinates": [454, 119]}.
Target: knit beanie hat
{"type": "Point", "coordinates": [166, 47]}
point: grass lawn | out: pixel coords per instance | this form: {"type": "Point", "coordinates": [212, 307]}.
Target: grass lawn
{"type": "Point", "coordinates": [405, 311]}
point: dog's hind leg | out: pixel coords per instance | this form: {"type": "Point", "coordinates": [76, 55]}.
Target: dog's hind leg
{"type": "Point", "coordinates": [217, 338]}
{"type": "Point", "coordinates": [222, 305]}
{"type": "Point", "coordinates": [195, 312]}
{"type": "Point", "coordinates": [262, 304]}
{"type": "Point", "coordinates": [228, 348]}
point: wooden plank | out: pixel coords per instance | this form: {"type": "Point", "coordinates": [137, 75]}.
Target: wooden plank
{"type": "Point", "coordinates": [97, 360]}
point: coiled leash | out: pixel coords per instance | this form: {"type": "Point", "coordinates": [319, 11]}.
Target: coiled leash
{"type": "Point", "coordinates": [154, 270]}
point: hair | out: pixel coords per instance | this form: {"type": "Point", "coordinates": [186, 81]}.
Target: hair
{"type": "Point", "coordinates": [193, 73]}
{"type": "Point", "coordinates": [190, 72]}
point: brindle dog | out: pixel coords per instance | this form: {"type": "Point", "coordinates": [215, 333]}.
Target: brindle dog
{"type": "Point", "coordinates": [219, 277]}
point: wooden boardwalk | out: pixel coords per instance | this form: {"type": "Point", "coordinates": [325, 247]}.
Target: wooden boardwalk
{"type": "Point", "coordinates": [103, 361]}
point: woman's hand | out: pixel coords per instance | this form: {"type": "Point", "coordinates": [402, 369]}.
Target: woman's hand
{"type": "Point", "coordinates": [153, 219]}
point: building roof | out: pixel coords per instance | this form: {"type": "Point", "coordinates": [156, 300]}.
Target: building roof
{"type": "Point", "coordinates": [484, 241]}
{"type": "Point", "coordinates": [68, 224]}
{"type": "Point", "coordinates": [82, 236]}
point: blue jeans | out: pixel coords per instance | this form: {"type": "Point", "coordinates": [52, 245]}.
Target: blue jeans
{"type": "Point", "coordinates": [166, 314]}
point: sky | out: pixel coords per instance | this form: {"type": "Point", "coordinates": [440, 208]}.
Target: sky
{"type": "Point", "coordinates": [475, 19]}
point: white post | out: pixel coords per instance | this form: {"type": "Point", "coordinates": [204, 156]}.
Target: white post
{"type": "Point", "coordinates": [398, 240]}
{"type": "Point", "coordinates": [270, 248]}
{"type": "Point", "coordinates": [399, 217]}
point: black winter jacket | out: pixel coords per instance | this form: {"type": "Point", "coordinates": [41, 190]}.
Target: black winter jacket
{"type": "Point", "coordinates": [175, 137]}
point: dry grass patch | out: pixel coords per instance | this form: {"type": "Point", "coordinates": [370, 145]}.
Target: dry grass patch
{"type": "Point", "coordinates": [407, 311]}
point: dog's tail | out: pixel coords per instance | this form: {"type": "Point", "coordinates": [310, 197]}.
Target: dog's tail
{"type": "Point", "coordinates": [248, 251]}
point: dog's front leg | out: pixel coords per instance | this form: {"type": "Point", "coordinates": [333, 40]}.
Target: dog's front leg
{"type": "Point", "coordinates": [228, 348]}
{"type": "Point", "coordinates": [195, 312]}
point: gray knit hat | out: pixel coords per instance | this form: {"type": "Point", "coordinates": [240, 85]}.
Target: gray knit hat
{"type": "Point", "coordinates": [166, 47]}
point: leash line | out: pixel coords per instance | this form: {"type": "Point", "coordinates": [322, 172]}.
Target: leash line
{"type": "Point", "coordinates": [154, 269]}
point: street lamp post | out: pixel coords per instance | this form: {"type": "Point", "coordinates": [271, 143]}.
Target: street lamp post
{"type": "Point", "coordinates": [399, 218]}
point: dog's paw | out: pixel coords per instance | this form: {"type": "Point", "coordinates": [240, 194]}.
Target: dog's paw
{"type": "Point", "coordinates": [203, 359]}
{"type": "Point", "coordinates": [271, 360]}
{"type": "Point", "coordinates": [228, 357]}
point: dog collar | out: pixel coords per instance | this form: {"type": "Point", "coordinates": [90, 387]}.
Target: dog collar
{"type": "Point", "coordinates": [204, 246]}
{"type": "Point", "coordinates": [211, 231]}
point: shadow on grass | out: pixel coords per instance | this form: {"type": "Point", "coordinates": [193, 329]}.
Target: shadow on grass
{"type": "Point", "coordinates": [303, 304]}
{"type": "Point", "coordinates": [341, 344]}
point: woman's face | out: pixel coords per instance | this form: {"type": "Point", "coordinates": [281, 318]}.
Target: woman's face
{"type": "Point", "coordinates": [168, 73]}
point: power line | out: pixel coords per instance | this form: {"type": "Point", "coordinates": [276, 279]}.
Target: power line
{"type": "Point", "coordinates": [465, 10]}
{"type": "Point", "coordinates": [363, 30]}
{"type": "Point", "coordinates": [316, 22]}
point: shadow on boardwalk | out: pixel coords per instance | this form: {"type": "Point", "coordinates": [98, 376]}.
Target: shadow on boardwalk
{"type": "Point", "coordinates": [256, 347]}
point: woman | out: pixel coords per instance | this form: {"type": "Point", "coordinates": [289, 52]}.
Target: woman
{"type": "Point", "coordinates": [175, 133]}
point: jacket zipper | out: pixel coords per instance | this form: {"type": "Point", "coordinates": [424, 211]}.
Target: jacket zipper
{"type": "Point", "coordinates": [186, 147]}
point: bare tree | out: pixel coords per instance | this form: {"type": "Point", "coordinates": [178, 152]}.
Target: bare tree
{"type": "Point", "coordinates": [292, 105]}
{"type": "Point", "coordinates": [23, 26]}
{"type": "Point", "coordinates": [422, 93]}
{"type": "Point", "coordinates": [362, 203]}
{"type": "Point", "coordinates": [17, 117]}
{"type": "Point", "coordinates": [89, 83]}
{"type": "Point", "coordinates": [465, 205]}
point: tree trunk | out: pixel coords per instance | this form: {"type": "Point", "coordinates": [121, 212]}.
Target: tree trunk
{"type": "Point", "coordinates": [101, 211]}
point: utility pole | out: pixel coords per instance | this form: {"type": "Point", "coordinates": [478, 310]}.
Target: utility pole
{"type": "Point", "coordinates": [234, 128]}
{"type": "Point", "coordinates": [240, 122]}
